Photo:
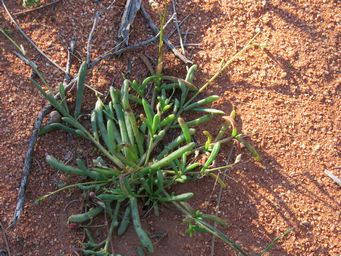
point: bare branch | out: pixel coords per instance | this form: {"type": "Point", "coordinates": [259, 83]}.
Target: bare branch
{"type": "Point", "coordinates": [129, 14]}
{"type": "Point", "coordinates": [155, 29]}
{"type": "Point", "coordinates": [115, 52]}
{"type": "Point", "coordinates": [88, 51]}
{"type": "Point", "coordinates": [178, 27]}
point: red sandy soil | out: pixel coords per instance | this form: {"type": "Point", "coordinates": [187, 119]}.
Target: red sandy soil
{"type": "Point", "coordinates": [287, 98]}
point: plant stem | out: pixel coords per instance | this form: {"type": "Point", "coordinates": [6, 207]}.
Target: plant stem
{"type": "Point", "coordinates": [149, 150]}
{"type": "Point", "coordinates": [71, 186]}
{"type": "Point", "coordinates": [231, 60]}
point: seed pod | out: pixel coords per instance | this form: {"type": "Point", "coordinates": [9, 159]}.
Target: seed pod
{"type": "Point", "coordinates": [80, 88]}
{"type": "Point", "coordinates": [155, 124]}
{"type": "Point", "coordinates": [174, 155]}
{"type": "Point", "coordinates": [209, 139]}
{"type": "Point", "coordinates": [139, 251]}
{"type": "Point", "coordinates": [83, 217]}
{"type": "Point", "coordinates": [115, 214]}
{"type": "Point", "coordinates": [125, 222]}
{"type": "Point", "coordinates": [160, 180]}
{"type": "Point", "coordinates": [185, 130]}
{"type": "Point", "coordinates": [184, 92]}
{"type": "Point", "coordinates": [63, 97]}
{"type": "Point", "coordinates": [192, 167]}
{"type": "Point", "coordinates": [212, 157]}
{"type": "Point", "coordinates": [89, 187]}
{"type": "Point", "coordinates": [130, 132]}
{"type": "Point", "coordinates": [176, 106]}
{"type": "Point", "coordinates": [201, 102]}
{"type": "Point", "coordinates": [111, 136]}
{"type": "Point", "coordinates": [209, 110]}
{"type": "Point", "coordinates": [177, 198]}
{"type": "Point", "coordinates": [120, 117]}
{"type": "Point", "coordinates": [90, 172]}
{"type": "Point", "coordinates": [124, 95]}
{"type": "Point", "coordinates": [141, 234]}
{"type": "Point", "coordinates": [100, 123]}
{"type": "Point", "coordinates": [149, 113]}
{"type": "Point", "coordinates": [69, 169]}
{"type": "Point", "coordinates": [137, 88]}
{"type": "Point", "coordinates": [166, 121]}
{"type": "Point", "coordinates": [221, 132]}
{"type": "Point", "coordinates": [191, 72]}
{"type": "Point", "coordinates": [136, 132]}
{"type": "Point", "coordinates": [197, 121]}
{"type": "Point", "coordinates": [56, 126]}
{"type": "Point", "coordinates": [175, 143]}
{"type": "Point", "coordinates": [93, 120]}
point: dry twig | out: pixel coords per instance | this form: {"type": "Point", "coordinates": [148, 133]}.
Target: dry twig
{"type": "Point", "coordinates": [155, 30]}
{"type": "Point", "coordinates": [115, 52]}
{"type": "Point", "coordinates": [88, 48]}
{"type": "Point", "coordinates": [179, 24]}
{"type": "Point", "coordinates": [129, 14]}
{"type": "Point", "coordinates": [335, 178]}
{"type": "Point", "coordinates": [178, 27]}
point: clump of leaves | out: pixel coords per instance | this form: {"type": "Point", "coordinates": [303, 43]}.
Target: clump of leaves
{"type": "Point", "coordinates": [30, 3]}
{"type": "Point", "coordinates": [138, 161]}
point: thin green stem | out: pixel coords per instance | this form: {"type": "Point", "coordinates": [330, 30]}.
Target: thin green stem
{"type": "Point", "coordinates": [228, 63]}
{"type": "Point", "coordinates": [71, 186]}
{"type": "Point", "coordinates": [149, 150]}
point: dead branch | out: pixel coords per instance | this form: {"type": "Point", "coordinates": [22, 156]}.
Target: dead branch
{"type": "Point", "coordinates": [36, 9]}
{"type": "Point", "coordinates": [35, 133]}
{"type": "Point", "coordinates": [180, 23]}
{"type": "Point", "coordinates": [177, 27]}
{"type": "Point", "coordinates": [70, 50]}
{"type": "Point", "coordinates": [28, 38]}
{"type": "Point", "coordinates": [114, 52]}
{"type": "Point", "coordinates": [335, 178]}
{"type": "Point", "coordinates": [88, 51]}
{"type": "Point", "coordinates": [155, 30]}
{"type": "Point", "coordinates": [129, 14]}
{"type": "Point", "coordinates": [147, 63]}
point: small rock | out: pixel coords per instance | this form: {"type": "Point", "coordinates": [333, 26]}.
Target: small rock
{"type": "Point", "coordinates": [54, 117]}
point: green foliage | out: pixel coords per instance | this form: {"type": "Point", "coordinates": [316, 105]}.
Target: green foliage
{"type": "Point", "coordinates": [30, 3]}
{"type": "Point", "coordinates": [139, 164]}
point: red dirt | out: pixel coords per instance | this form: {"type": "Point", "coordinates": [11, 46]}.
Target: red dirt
{"type": "Point", "coordinates": [287, 97]}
